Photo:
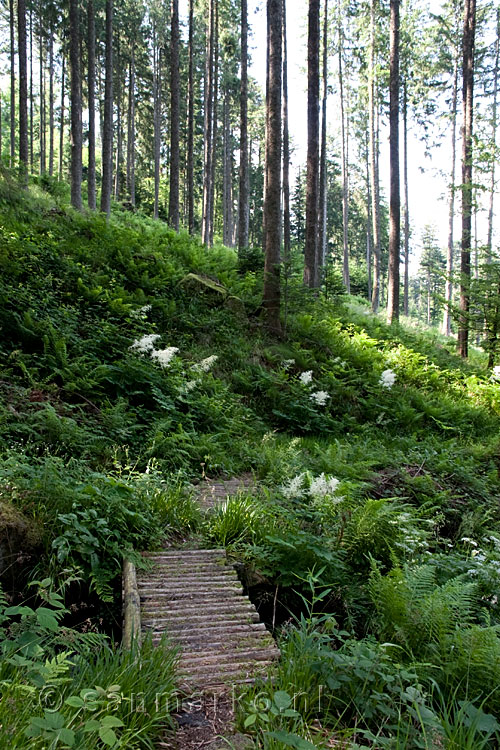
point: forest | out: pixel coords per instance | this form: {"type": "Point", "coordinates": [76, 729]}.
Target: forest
{"type": "Point", "coordinates": [191, 295]}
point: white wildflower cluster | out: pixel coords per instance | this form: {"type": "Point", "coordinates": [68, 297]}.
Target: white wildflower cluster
{"type": "Point", "coordinates": [319, 487]}
{"type": "Point", "coordinates": [322, 487]}
{"type": "Point", "coordinates": [306, 377]}
{"type": "Point", "coordinates": [141, 313]}
{"type": "Point", "coordinates": [340, 362]}
{"type": "Point", "coordinates": [295, 487]}
{"type": "Point", "coordinates": [191, 385]}
{"type": "Point", "coordinates": [146, 345]}
{"type": "Point", "coordinates": [387, 379]}
{"type": "Point", "coordinates": [287, 363]}
{"type": "Point", "coordinates": [495, 373]}
{"type": "Point", "coordinates": [206, 364]}
{"type": "Point", "coordinates": [319, 397]}
{"type": "Point", "coordinates": [164, 356]}
{"type": "Point", "coordinates": [466, 540]}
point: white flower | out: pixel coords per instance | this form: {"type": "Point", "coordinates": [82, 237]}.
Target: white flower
{"type": "Point", "coordinates": [322, 487]}
{"type": "Point", "coordinates": [294, 487]}
{"type": "Point", "coordinates": [306, 377]}
{"type": "Point", "coordinates": [468, 541]}
{"type": "Point", "coordinates": [387, 379]}
{"type": "Point", "coordinates": [164, 356]}
{"type": "Point", "coordinates": [320, 397]}
{"type": "Point", "coordinates": [190, 385]}
{"type": "Point", "coordinates": [146, 344]}
{"type": "Point", "coordinates": [205, 364]}
{"type": "Point", "coordinates": [287, 363]}
{"type": "Point", "coordinates": [496, 373]}
{"type": "Point", "coordinates": [141, 312]}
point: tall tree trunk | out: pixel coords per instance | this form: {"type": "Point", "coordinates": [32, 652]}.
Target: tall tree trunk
{"type": "Point", "coordinates": [76, 105]}
{"type": "Point", "coordinates": [61, 117]}
{"type": "Point", "coordinates": [119, 126]}
{"type": "Point", "coordinates": [374, 177]}
{"type": "Point", "coordinates": [190, 133]}
{"type": "Point", "coordinates": [272, 201]}
{"type": "Point", "coordinates": [244, 197]}
{"type": "Point", "coordinates": [208, 127]}
{"type": "Point", "coordinates": [395, 197]}
{"type": "Point", "coordinates": [43, 162]}
{"type": "Point", "coordinates": [494, 123]}
{"type": "Point", "coordinates": [23, 89]}
{"type": "Point", "coordinates": [311, 270]}
{"type": "Point", "coordinates": [287, 242]}
{"type": "Point", "coordinates": [228, 173]}
{"type": "Point", "coordinates": [212, 192]}
{"type": "Point", "coordinates": [173, 199]}
{"type": "Point", "coordinates": [368, 219]}
{"type": "Point", "coordinates": [345, 167]}
{"type": "Point", "coordinates": [446, 328]}
{"type": "Point", "coordinates": [31, 93]}
{"type": "Point", "coordinates": [131, 129]}
{"type": "Point", "coordinates": [407, 203]}
{"type": "Point", "coordinates": [323, 182]}
{"type": "Point", "coordinates": [156, 119]}
{"type": "Point", "coordinates": [91, 194]}
{"type": "Point", "coordinates": [51, 98]}
{"type": "Point", "coordinates": [107, 129]}
{"type": "Point", "coordinates": [468, 100]}
{"type": "Point", "coordinates": [12, 84]}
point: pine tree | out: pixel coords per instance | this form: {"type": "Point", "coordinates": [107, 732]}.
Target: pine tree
{"type": "Point", "coordinates": [311, 266]}
{"type": "Point", "coordinates": [272, 200]}
{"type": "Point", "coordinates": [107, 129]}
{"type": "Point", "coordinates": [76, 105]}
{"type": "Point", "coordinates": [395, 200]}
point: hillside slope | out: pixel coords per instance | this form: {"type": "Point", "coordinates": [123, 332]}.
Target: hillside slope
{"type": "Point", "coordinates": [134, 362]}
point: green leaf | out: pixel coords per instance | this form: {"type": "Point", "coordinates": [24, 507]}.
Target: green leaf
{"type": "Point", "coordinates": [92, 725]}
{"type": "Point", "coordinates": [107, 736]}
{"type": "Point", "coordinates": [111, 721]}
{"type": "Point", "coordinates": [74, 701]}
{"type": "Point", "coordinates": [282, 700]}
{"type": "Point", "coordinates": [54, 720]}
{"type": "Point", "coordinates": [250, 720]}
{"type": "Point", "coordinates": [67, 736]}
{"type": "Point", "coordinates": [46, 619]}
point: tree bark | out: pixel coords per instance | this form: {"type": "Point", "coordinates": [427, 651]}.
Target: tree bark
{"type": "Point", "coordinates": [173, 200]}
{"type": "Point", "coordinates": [12, 84]}
{"type": "Point", "coordinates": [190, 133]}
{"type": "Point", "coordinates": [156, 119]}
{"type": "Point", "coordinates": [51, 98]}
{"type": "Point", "coordinates": [287, 243]}
{"type": "Point", "coordinates": [61, 117]}
{"type": "Point", "coordinates": [131, 130]}
{"type": "Point", "coordinates": [395, 198]}
{"type": "Point", "coordinates": [374, 176]}
{"type": "Point", "coordinates": [23, 90]}
{"type": "Point", "coordinates": [119, 126]}
{"type": "Point", "coordinates": [208, 126]}
{"type": "Point", "coordinates": [407, 204]}
{"type": "Point", "coordinates": [76, 105]}
{"type": "Point", "coordinates": [107, 130]}
{"type": "Point", "coordinates": [43, 164]}
{"type": "Point", "coordinates": [272, 200]}
{"type": "Point", "coordinates": [244, 189]}
{"type": "Point", "coordinates": [494, 124]}
{"type": "Point", "coordinates": [323, 181]}
{"type": "Point", "coordinates": [91, 178]}
{"type": "Point", "coordinates": [228, 173]}
{"type": "Point", "coordinates": [311, 270]}
{"type": "Point", "coordinates": [215, 122]}
{"type": "Point", "coordinates": [446, 329]}
{"type": "Point", "coordinates": [31, 93]}
{"type": "Point", "coordinates": [345, 166]}
{"type": "Point", "coordinates": [468, 101]}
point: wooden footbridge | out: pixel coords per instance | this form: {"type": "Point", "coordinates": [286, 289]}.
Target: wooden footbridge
{"type": "Point", "coordinates": [195, 598]}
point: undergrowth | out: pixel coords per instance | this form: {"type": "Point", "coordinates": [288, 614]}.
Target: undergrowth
{"type": "Point", "coordinates": [133, 363]}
